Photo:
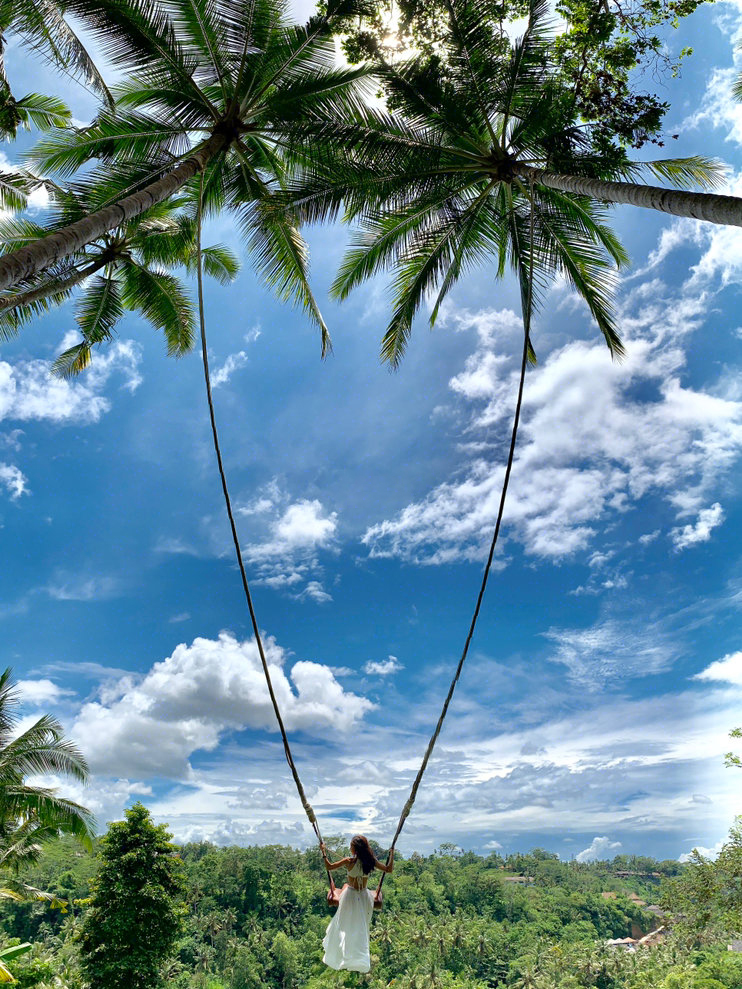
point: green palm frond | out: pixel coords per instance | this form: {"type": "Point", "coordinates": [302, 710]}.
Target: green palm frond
{"type": "Point", "coordinates": [8, 954]}
{"type": "Point", "coordinates": [15, 188]}
{"type": "Point", "coordinates": [72, 361]}
{"type": "Point", "coordinates": [100, 308]}
{"type": "Point", "coordinates": [220, 263]}
{"type": "Point", "coordinates": [44, 112]}
{"type": "Point", "coordinates": [281, 257]}
{"type": "Point", "coordinates": [43, 26]}
{"type": "Point", "coordinates": [688, 173]}
{"type": "Point", "coordinates": [161, 300]}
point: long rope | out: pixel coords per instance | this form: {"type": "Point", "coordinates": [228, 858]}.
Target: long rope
{"type": "Point", "coordinates": [235, 539]}
{"type": "Point", "coordinates": [527, 308]}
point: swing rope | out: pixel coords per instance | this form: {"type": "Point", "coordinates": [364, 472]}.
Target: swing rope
{"type": "Point", "coordinates": [526, 302]}
{"type": "Point", "coordinates": [235, 539]}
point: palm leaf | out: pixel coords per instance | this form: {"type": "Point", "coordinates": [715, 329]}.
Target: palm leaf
{"type": "Point", "coordinates": [161, 300]}
{"type": "Point", "coordinates": [280, 255]}
{"type": "Point", "coordinates": [44, 112]}
{"type": "Point", "coordinates": [72, 361]}
{"type": "Point", "coordinates": [99, 308]}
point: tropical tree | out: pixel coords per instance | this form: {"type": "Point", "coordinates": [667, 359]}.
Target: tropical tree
{"type": "Point", "coordinates": [125, 269]}
{"type": "Point", "coordinates": [731, 759]}
{"type": "Point", "coordinates": [486, 162]}
{"type": "Point", "coordinates": [43, 27]}
{"type": "Point", "coordinates": [225, 90]}
{"type": "Point", "coordinates": [136, 911]}
{"type": "Point", "coordinates": [7, 955]}
{"type": "Point", "coordinates": [32, 815]}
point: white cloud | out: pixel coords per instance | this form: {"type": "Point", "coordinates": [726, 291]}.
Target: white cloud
{"type": "Point", "coordinates": [285, 542]}
{"type": "Point", "coordinates": [595, 438]}
{"type": "Point", "coordinates": [13, 480]}
{"type": "Point", "coordinates": [382, 668]}
{"type": "Point", "coordinates": [29, 392]}
{"type": "Point", "coordinates": [609, 651]}
{"type": "Point", "coordinates": [83, 588]}
{"type": "Point", "coordinates": [41, 691]}
{"type": "Point", "coordinates": [598, 849]}
{"type": "Point", "coordinates": [649, 537]}
{"type": "Point", "coordinates": [316, 592]}
{"type": "Point", "coordinates": [187, 702]}
{"type": "Point", "coordinates": [728, 669]}
{"type": "Point", "coordinates": [707, 853]}
{"type": "Point", "coordinates": [233, 362]}
{"type": "Point", "coordinates": [12, 439]}
{"type": "Point", "coordinates": [106, 799]}
{"type": "Point", "coordinates": [700, 532]}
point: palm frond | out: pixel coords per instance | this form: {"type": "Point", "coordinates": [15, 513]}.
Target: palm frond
{"type": "Point", "coordinates": [688, 173]}
{"type": "Point", "coordinates": [99, 308]}
{"type": "Point", "coordinates": [160, 298]}
{"type": "Point", "coordinates": [44, 112]}
{"type": "Point", "coordinates": [220, 263]}
{"type": "Point", "coordinates": [280, 255]}
{"type": "Point", "coordinates": [72, 361]}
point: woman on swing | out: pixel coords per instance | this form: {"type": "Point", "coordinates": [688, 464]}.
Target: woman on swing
{"type": "Point", "coordinates": [346, 940]}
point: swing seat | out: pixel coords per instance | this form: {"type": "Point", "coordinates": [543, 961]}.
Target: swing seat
{"type": "Point", "coordinates": [333, 897]}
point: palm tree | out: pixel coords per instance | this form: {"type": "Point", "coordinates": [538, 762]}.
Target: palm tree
{"type": "Point", "coordinates": [217, 88]}
{"type": "Point", "coordinates": [485, 163]}
{"type": "Point", "coordinates": [43, 27]}
{"type": "Point", "coordinates": [125, 269]}
{"type": "Point", "coordinates": [33, 815]}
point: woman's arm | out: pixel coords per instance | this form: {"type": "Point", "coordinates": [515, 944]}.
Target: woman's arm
{"type": "Point", "coordinates": [389, 867]}
{"type": "Point", "coordinates": [331, 866]}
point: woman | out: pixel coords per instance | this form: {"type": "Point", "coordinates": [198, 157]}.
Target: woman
{"type": "Point", "coordinates": [346, 940]}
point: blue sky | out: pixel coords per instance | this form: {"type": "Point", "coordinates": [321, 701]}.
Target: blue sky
{"type": "Point", "coordinates": [606, 671]}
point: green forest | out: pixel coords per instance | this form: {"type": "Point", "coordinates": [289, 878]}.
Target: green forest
{"type": "Point", "coordinates": [243, 918]}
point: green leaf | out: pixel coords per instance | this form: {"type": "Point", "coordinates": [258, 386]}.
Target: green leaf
{"type": "Point", "coordinates": [99, 308]}
{"type": "Point", "coordinates": [160, 298]}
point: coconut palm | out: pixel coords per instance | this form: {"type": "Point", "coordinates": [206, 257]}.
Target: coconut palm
{"type": "Point", "coordinates": [472, 155]}
{"type": "Point", "coordinates": [43, 27]}
{"type": "Point", "coordinates": [31, 815]}
{"type": "Point", "coordinates": [125, 269]}
{"type": "Point", "coordinates": [216, 87]}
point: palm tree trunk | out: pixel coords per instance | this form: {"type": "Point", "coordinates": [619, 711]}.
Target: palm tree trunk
{"type": "Point", "coordinates": [52, 287]}
{"type": "Point", "coordinates": [29, 260]}
{"type": "Point", "coordinates": [696, 205]}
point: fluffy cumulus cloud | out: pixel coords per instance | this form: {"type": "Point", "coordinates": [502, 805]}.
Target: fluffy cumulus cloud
{"type": "Point", "coordinates": [728, 669]}
{"type": "Point", "coordinates": [28, 392]}
{"type": "Point", "coordinates": [13, 480]}
{"type": "Point", "coordinates": [288, 538]}
{"type": "Point", "coordinates": [382, 667]}
{"type": "Point", "coordinates": [700, 530]}
{"type": "Point", "coordinates": [599, 848]}
{"type": "Point", "coordinates": [707, 853]}
{"type": "Point", "coordinates": [150, 726]}
{"type": "Point", "coordinates": [44, 691]}
{"type": "Point", "coordinates": [595, 438]}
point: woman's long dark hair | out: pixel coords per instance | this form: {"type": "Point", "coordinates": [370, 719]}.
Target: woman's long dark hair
{"type": "Point", "coordinates": [362, 850]}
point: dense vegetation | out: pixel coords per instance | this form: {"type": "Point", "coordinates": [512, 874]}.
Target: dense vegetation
{"type": "Point", "coordinates": [255, 917]}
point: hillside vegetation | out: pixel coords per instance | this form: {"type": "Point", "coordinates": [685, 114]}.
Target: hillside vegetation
{"type": "Point", "coordinates": [254, 917]}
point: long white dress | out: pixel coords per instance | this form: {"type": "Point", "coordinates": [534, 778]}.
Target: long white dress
{"type": "Point", "coordinates": [346, 940]}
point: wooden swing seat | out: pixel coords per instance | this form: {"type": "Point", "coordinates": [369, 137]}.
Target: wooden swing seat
{"type": "Point", "coordinates": [333, 896]}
